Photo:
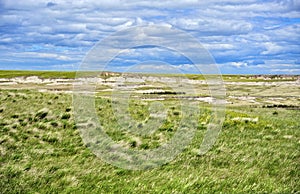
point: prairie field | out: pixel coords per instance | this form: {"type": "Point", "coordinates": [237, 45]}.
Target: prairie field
{"type": "Point", "coordinates": [41, 149]}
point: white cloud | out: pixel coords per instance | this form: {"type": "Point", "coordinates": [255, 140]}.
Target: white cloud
{"type": "Point", "coordinates": [289, 71]}
{"type": "Point", "coordinates": [219, 46]}
{"type": "Point", "coordinates": [213, 26]}
{"type": "Point", "coordinates": [272, 48]}
{"type": "Point", "coordinates": [238, 64]}
{"type": "Point", "coordinates": [233, 31]}
{"type": "Point", "coordinates": [44, 55]}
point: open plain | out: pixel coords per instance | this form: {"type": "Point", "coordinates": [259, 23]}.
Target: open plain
{"type": "Point", "coordinates": [41, 150]}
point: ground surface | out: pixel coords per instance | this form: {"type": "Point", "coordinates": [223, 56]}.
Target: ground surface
{"type": "Point", "coordinates": [41, 149]}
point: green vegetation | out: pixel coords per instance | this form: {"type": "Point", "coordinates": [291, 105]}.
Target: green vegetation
{"type": "Point", "coordinates": [72, 74]}
{"type": "Point", "coordinates": [52, 74]}
{"type": "Point", "coordinates": [235, 78]}
{"type": "Point", "coordinates": [259, 78]}
{"type": "Point", "coordinates": [41, 74]}
{"type": "Point", "coordinates": [41, 150]}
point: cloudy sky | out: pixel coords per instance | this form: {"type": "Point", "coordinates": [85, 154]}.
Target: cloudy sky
{"type": "Point", "coordinates": [244, 37]}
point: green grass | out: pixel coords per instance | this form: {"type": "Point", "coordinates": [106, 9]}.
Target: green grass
{"type": "Point", "coordinates": [42, 151]}
{"type": "Point", "coordinates": [252, 78]}
{"type": "Point", "coordinates": [72, 74]}
{"type": "Point", "coordinates": [233, 78]}
{"type": "Point", "coordinates": [52, 74]}
{"type": "Point", "coordinates": [41, 74]}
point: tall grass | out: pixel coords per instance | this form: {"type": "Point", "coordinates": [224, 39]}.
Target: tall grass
{"type": "Point", "coordinates": [42, 151]}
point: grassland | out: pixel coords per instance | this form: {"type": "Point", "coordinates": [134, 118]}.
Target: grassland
{"type": "Point", "coordinates": [41, 74]}
{"type": "Point", "coordinates": [42, 152]}
{"type": "Point", "coordinates": [72, 74]}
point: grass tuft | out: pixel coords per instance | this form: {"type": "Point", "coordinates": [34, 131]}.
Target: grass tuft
{"type": "Point", "coordinates": [41, 114]}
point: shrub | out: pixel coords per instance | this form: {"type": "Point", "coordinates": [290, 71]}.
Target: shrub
{"type": "Point", "coordinates": [42, 126]}
{"type": "Point", "coordinates": [15, 126]}
{"type": "Point", "coordinates": [144, 146]}
{"type": "Point", "coordinates": [65, 116]}
{"type": "Point", "coordinates": [23, 123]}
{"type": "Point", "coordinates": [15, 116]}
{"type": "Point", "coordinates": [140, 125]}
{"type": "Point", "coordinates": [176, 113]}
{"type": "Point", "coordinates": [49, 139]}
{"type": "Point", "coordinates": [42, 113]}
{"type": "Point", "coordinates": [54, 124]}
{"type": "Point", "coordinates": [133, 144]}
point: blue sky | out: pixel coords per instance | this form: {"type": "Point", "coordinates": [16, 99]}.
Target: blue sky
{"type": "Point", "coordinates": [244, 37]}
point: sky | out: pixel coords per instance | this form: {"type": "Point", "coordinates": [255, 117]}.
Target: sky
{"type": "Point", "coordinates": [243, 37]}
